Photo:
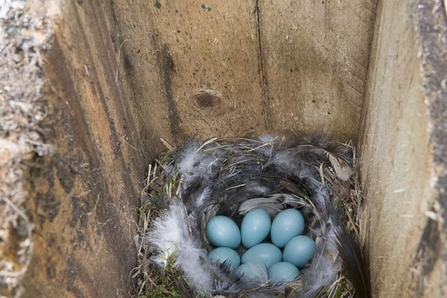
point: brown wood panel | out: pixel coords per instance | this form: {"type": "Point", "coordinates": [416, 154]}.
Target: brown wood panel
{"type": "Point", "coordinates": [315, 59]}
{"type": "Point", "coordinates": [200, 58]}
{"type": "Point", "coordinates": [84, 199]}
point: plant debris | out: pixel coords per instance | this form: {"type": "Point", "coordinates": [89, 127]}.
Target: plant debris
{"type": "Point", "coordinates": [26, 32]}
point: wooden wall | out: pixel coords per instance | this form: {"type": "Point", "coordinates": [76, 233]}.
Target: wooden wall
{"type": "Point", "coordinates": [247, 67]}
{"type": "Point", "coordinates": [403, 150]}
{"type": "Point", "coordinates": [122, 74]}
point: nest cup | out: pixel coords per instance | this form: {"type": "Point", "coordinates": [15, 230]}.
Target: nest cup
{"type": "Point", "coordinates": [230, 177]}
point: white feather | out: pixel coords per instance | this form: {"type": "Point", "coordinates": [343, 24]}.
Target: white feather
{"type": "Point", "coordinates": [170, 235]}
{"type": "Point", "coordinates": [268, 138]}
{"type": "Point", "coordinates": [203, 197]}
{"type": "Point", "coordinates": [259, 273]}
{"type": "Point", "coordinates": [194, 163]}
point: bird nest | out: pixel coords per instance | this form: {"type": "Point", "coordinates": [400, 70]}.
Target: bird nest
{"type": "Point", "coordinates": [188, 186]}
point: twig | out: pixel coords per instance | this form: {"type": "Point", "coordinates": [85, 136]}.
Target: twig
{"type": "Point", "coordinates": [16, 209]}
{"type": "Point", "coordinates": [167, 145]}
{"type": "Point", "coordinates": [206, 143]}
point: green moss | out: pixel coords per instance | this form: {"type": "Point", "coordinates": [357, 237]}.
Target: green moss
{"type": "Point", "coordinates": [168, 283]}
{"type": "Point", "coordinates": [144, 208]}
{"type": "Point", "coordinates": [343, 290]}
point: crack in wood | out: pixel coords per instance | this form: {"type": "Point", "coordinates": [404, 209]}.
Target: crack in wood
{"type": "Point", "coordinates": [264, 86]}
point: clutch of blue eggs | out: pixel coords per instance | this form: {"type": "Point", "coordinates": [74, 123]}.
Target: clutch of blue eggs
{"type": "Point", "coordinates": [278, 247]}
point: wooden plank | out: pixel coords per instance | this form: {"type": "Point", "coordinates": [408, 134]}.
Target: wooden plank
{"type": "Point", "coordinates": [395, 165]}
{"type": "Point", "coordinates": [84, 199]}
{"type": "Point", "coordinates": [201, 59]}
{"type": "Point", "coordinates": [315, 58]}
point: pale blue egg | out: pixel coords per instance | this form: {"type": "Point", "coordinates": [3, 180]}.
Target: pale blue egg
{"type": "Point", "coordinates": [255, 227]}
{"type": "Point", "coordinates": [225, 255]}
{"type": "Point", "coordinates": [252, 272]}
{"type": "Point", "coordinates": [283, 272]}
{"type": "Point", "coordinates": [299, 250]}
{"type": "Point", "coordinates": [264, 253]}
{"type": "Point", "coordinates": [223, 231]}
{"type": "Point", "coordinates": [286, 225]}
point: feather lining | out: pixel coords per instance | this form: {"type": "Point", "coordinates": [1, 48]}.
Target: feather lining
{"type": "Point", "coordinates": [232, 176]}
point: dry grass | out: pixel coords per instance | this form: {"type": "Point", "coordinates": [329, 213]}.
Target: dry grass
{"type": "Point", "coordinates": [151, 282]}
{"type": "Point", "coordinates": [25, 33]}
{"type": "Point", "coordinates": [352, 203]}
{"type": "Point", "coordinates": [157, 193]}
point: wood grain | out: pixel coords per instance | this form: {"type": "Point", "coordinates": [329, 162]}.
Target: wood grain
{"type": "Point", "coordinates": [395, 155]}
{"type": "Point", "coordinates": [315, 56]}
{"type": "Point", "coordinates": [198, 59]}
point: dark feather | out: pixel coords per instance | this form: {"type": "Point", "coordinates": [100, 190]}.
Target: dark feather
{"type": "Point", "coordinates": [353, 263]}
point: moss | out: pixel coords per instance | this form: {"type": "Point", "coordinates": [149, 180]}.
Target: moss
{"type": "Point", "coordinates": [343, 290]}
{"type": "Point", "coordinates": [144, 208]}
{"type": "Point", "coordinates": [168, 283]}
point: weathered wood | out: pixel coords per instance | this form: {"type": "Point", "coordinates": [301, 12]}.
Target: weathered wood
{"type": "Point", "coordinates": [237, 68]}
{"type": "Point", "coordinates": [430, 23]}
{"type": "Point", "coordinates": [200, 60]}
{"type": "Point", "coordinates": [84, 199]}
{"type": "Point", "coordinates": [315, 59]}
{"type": "Point", "coordinates": [404, 242]}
